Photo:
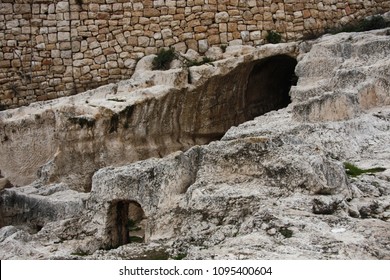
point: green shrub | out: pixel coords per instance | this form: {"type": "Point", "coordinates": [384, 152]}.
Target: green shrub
{"type": "Point", "coordinates": [354, 171]}
{"type": "Point", "coordinates": [179, 256]}
{"type": "Point", "coordinates": [163, 59]}
{"type": "Point", "coordinates": [273, 37]}
{"type": "Point", "coordinates": [287, 233]}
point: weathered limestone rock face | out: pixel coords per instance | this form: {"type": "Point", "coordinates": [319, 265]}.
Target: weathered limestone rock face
{"type": "Point", "coordinates": [273, 187]}
{"type": "Point", "coordinates": [32, 208]}
{"type": "Point", "coordinates": [342, 77]}
{"type": "Point", "coordinates": [151, 115]}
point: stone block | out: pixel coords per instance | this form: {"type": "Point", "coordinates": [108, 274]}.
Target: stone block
{"type": "Point", "coordinates": [158, 3]}
{"type": "Point", "coordinates": [111, 64]}
{"type": "Point", "coordinates": [121, 39]}
{"type": "Point", "coordinates": [306, 13]}
{"type": "Point", "coordinates": [22, 8]}
{"type": "Point", "coordinates": [214, 40]}
{"type": "Point", "coordinates": [40, 46]}
{"type": "Point", "coordinates": [12, 24]}
{"type": "Point", "coordinates": [103, 73]}
{"type": "Point", "coordinates": [252, 3]}
{"type": "Point", "coordinates": [63, 36]}
{"type": "Point", "coordinates": [221, 17]}
{"type": "Point", "coordinates": [62, 7]}
{"type": "Point", "coordinates": [180, 47]}
{"type": "Point", "coordinates": [52, 38]}
{"type": "Point", "coordinates": [138, 6]}
{"type": "Point", "coordinates": [6, 9]}
{"type": "Point", "coordinates": [82, 62]}
{"type": "Point", "coordinates": [55, 54]}
{"type": "Point", "coordinates": [200, 29]}
{"type": "Point", "coordinates": [166, 33]}
{"type": "Point", "coordinates": [298, 14]}
{"type": "Point", "coordinates": [203, 46]}
{"type": "Point", "coordinates": [223, 27]}
{"type": "Point", "coordinates": [232, 27]}
{"type": "Point", "coordinates": [224, 38]}
{"type": "Point", "coordinates": [97, 51]}
{"type": "Point", "coordinates": [247, 15]}
{"type": "Point", "coordinates": [57, 69]}
{"type": "Point", "coordinates": [143, 41]}
{"type": "Point", "coordinates": [169, 42]}
{"type": "Point", "coordinates": [255, 35]}
{"type": "Point", "coordinates": [236, 42]}
{"type": "Point", "coordinates": [310, 24]}
{"type": "Point", "coordinates": [76, 46]}
{"type": "Point", "coordinates": [207, 15]}
{"type": "Point", "coordinates": [5, 64]}
{"type": "Point", "coordinates": [66, 54]}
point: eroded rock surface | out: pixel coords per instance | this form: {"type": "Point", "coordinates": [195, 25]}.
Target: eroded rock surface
{"type": "Point", "coordinates": [274, 187]}
{"type": "Point", "coordinates": [151, 115]}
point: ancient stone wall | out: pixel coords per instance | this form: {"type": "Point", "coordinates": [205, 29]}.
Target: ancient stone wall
{"type": "Point", "coordinates": [54, 48]}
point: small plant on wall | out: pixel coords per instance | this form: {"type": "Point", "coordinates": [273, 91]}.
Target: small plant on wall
{"type": "Point", "coordinates": [163, 59]}
{"type": "Point", "coordinates": [354, 171]}
{"type": "Point", "coordinates": [79, 2]}
{"type": "Point", "coordinates": [273, 37]}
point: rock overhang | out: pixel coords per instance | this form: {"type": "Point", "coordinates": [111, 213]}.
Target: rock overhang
{"type": "Point", "coordinates": [128, 112]}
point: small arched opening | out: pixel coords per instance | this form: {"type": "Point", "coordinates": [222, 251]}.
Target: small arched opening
{"type": "Point", "coordinates": [126, 223]}
{"type": "Point", "coordinates": [269, 85]}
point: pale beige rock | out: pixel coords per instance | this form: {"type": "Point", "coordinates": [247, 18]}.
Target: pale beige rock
{"type": "Point", "coordinates": [191, 55]}
{"type": "Point", "coordinates": [214, 53]}
{"type": "Point", "coordinates": [278, 180]}
{"type": "Point", "coordinates": [221, 17]}
{"type": "Point", "coordinates": [361, 88]}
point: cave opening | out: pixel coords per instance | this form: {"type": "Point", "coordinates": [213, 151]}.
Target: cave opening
{"type": "Point", "coordinates": [248, 91]}
{"type": "Point", "coordinates": [127, 223]}
{"type": "Point", "coordinates": [269, 85]}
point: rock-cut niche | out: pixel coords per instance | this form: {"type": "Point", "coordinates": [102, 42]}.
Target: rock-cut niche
{"type": "Point", "coordinates": [269, 85]}
{"type": "Point", "coordinates": [126, 223]}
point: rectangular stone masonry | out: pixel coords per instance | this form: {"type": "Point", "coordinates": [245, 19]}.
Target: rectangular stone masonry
{"type": "Point", "coordinates": [77, 47]}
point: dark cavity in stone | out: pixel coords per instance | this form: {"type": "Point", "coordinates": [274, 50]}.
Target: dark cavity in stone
{"type": "Point", "coordinates": [127, 223]}
{"type": "Point", "coordinates": [269, 85]}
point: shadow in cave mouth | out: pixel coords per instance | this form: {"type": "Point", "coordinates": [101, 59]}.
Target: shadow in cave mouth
{"type": "Point", "coordinates": [248, 91]}
{"type": "Point", "coordinates": [127, 223]}
{"type": "Point", "coordinates": [269, 85]}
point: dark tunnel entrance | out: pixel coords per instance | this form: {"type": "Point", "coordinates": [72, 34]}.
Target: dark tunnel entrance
{"type": "Point", "coordinates": [127, 223]}
{"type": "Point", "coordinates": [269, 84]}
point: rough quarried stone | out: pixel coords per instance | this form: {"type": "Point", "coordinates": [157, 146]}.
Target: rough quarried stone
{"type": "Point", "coordinates": [141, 28]}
